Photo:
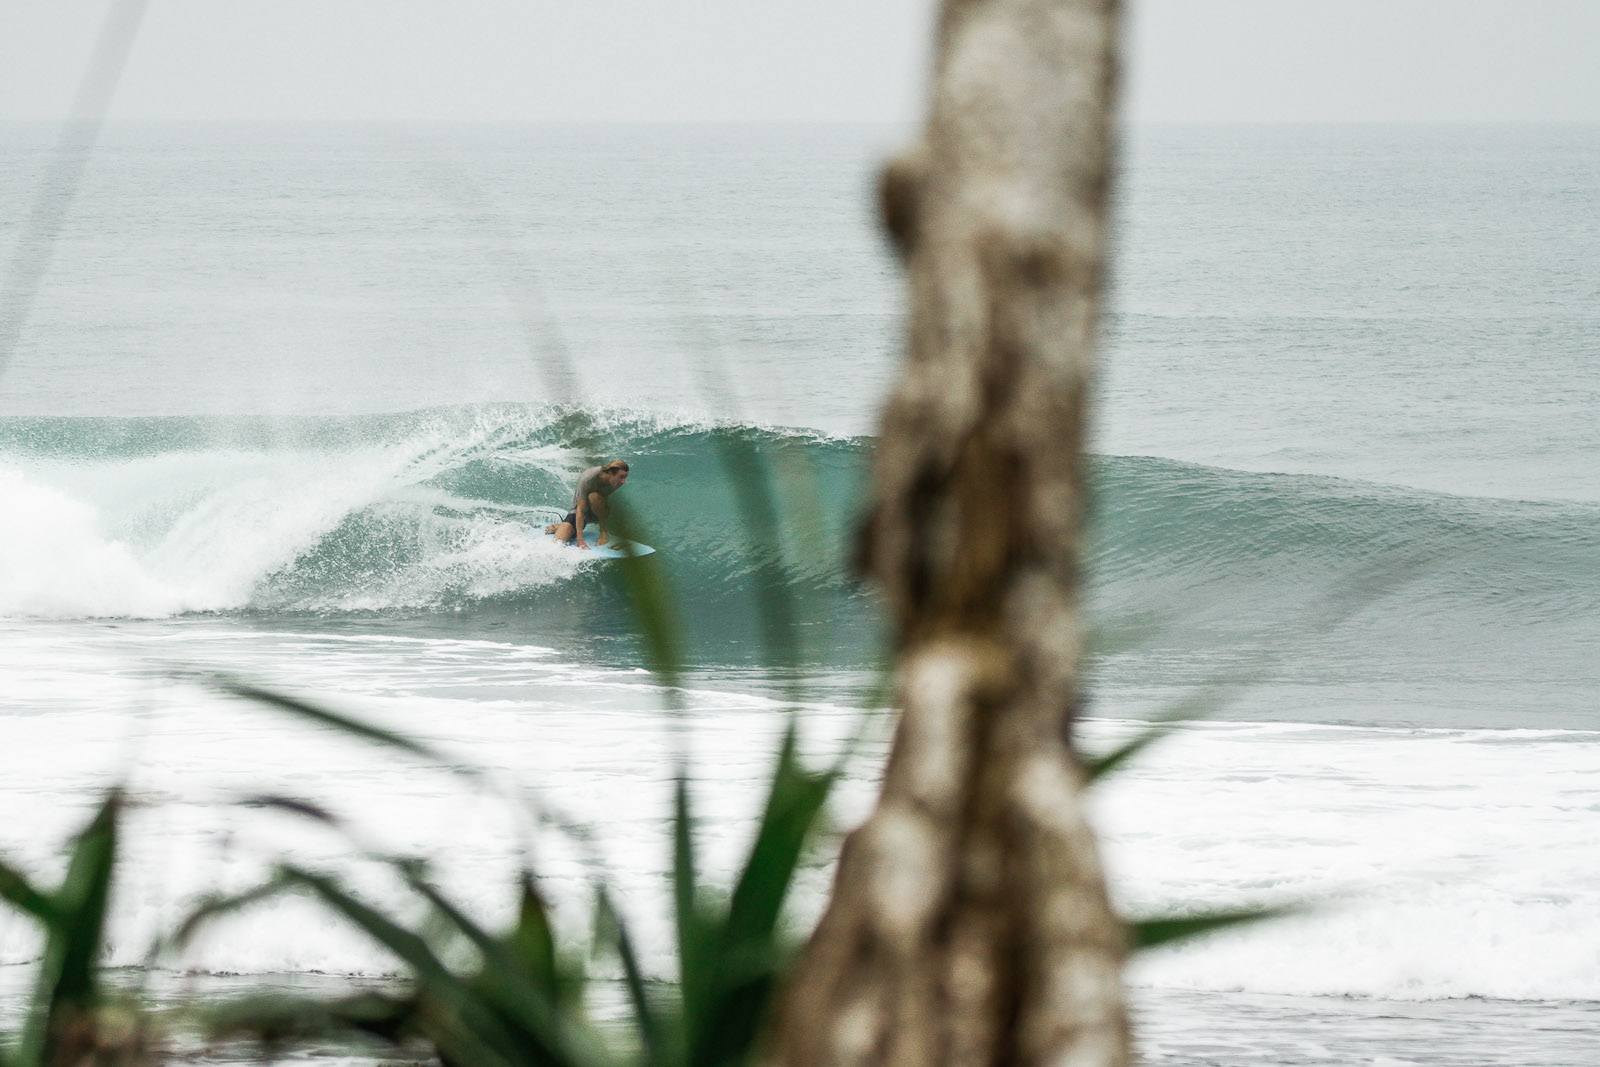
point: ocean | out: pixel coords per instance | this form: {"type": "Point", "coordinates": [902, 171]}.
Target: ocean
{"type": "Point", "coordinates": [294, 400]}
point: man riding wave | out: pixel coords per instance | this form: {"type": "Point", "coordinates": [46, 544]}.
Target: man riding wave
{"type": "Point", "coordinates": [590, 503]}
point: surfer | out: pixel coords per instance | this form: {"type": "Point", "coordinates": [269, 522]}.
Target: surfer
{"type": "Point", "coordinates": [590, 504]}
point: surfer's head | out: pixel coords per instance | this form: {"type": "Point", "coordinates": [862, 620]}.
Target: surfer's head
{"type": "Point", "coordinates": [616, 471]}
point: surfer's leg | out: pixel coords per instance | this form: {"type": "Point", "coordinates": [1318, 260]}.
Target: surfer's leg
{"type": "Point", "coordinates": [600, 510]}
{"type": "Point", "coordinates": [565, 530]}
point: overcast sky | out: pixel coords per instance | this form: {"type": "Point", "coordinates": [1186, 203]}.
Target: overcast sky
{"type": "Point", "coordinates": [1206, 60]}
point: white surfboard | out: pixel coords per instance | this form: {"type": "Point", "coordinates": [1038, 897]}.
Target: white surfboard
{"type": "Point", "coordinates": [616, 548]}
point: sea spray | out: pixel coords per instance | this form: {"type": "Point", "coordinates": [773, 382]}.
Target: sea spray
{"type": "Point", "coordinates": [57, 561]}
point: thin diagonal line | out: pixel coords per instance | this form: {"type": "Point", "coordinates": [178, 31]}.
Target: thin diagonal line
{"type": "Point", "coordinates": [62, 177]}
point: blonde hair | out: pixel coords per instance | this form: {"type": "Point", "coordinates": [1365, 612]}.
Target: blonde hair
{"type": "Point", "coordinates": [615, 465]}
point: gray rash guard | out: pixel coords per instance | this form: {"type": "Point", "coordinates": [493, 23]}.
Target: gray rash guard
{"type": "Point", "coordinates": [590, 482]}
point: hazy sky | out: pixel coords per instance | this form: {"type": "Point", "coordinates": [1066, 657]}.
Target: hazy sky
{"type": "Point", "coordinates": [1213, 60]}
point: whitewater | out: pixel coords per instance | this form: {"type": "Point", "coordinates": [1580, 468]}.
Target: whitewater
{"type": "Point", "coordinates": [295, 401]}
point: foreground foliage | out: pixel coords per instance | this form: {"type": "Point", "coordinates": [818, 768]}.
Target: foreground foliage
{"type": "Point", "coordinates": [72, 1019]}
{"type": "Point", "coordinates": [519, 999]}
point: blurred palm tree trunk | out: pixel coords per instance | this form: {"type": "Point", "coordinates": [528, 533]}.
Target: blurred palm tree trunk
{"type": "Point", "coordinates": [969, 922]}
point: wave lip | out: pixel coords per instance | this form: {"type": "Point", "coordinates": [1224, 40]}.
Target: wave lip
{"type": "Point", "coordinates": [420, 511]}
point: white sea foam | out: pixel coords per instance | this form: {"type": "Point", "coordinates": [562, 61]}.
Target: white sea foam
{"type": "Point", "coordinates": [591, 744]}
{"type": "Point", "coordinates": [56, 559]}
{"type": "Point", "coordinates": [1441, 863]}
{"type": "Point", "coordinates": [1435, 863]}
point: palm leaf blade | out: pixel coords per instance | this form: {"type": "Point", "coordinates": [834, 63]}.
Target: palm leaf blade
{"type": "Point", "coordinates": [68, 978]}
{"type": "Point", "coordinates": [1150, 933]}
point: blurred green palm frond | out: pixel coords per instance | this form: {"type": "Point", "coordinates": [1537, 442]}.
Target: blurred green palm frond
{"type": "Point", "coordinates": [519, 1000]}
{"type": "Point", "coordinates": [72, 1019]}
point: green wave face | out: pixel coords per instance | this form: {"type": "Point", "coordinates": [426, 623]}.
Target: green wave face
{"type": "Point", "coordinates": [430, 514]}
{"type": "Point", "coordinates": [437, 515]}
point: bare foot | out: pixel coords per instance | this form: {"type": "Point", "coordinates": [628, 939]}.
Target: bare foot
{"type": "Point", "coordinates": [551, 528]}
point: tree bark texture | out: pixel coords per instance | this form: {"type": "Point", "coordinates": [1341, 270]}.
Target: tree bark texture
{"type": "Point", "coordinates": [969, 923]}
